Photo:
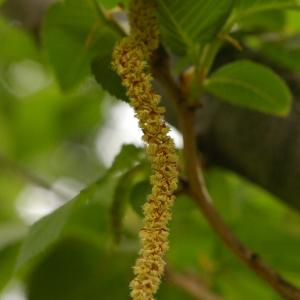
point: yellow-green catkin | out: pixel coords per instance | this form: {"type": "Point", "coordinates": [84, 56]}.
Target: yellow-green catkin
{"type": "Point", "coordinates": [131, 61]}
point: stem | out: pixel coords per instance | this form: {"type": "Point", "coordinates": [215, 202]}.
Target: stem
{"type": "Point", "coordinates": [207, 58]}
{"type": "Point", "coordinates": [202, 68]}
{"type": "Point", "coordinates": [202, 198]}
{"type": "Point", "coordinates": [192, 284]}
{"type": "Point", "coordinates": [20, 171]}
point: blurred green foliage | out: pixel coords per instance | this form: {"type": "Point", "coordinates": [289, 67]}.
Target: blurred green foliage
{"type": "Point", "coordinates": [52, 108]}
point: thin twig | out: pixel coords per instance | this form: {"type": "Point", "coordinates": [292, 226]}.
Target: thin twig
{"type": "Point", "coordinates": [192, 284]}
{"type": "Point", "coordinates": [203, 200]}
{"type": "Point", "coordinates": [199, 192]}
{"type": "Point", "coordinates": [29, 176]}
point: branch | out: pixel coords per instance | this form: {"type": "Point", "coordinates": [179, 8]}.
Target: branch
{"type": "Point", "coordinates": [27, 175]}
{"type": "Point", "coordinates": [191, 284]}
{"type": "Point", "coordinates": [203, 200]}
{"type": "Point", "coordinates": [199, 191]}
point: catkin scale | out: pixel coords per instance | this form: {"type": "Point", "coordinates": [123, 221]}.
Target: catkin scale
{"type": "Point", "coordinates": [130, 60]}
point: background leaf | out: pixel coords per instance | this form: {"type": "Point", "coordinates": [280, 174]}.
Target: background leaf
{"type": "Point", "coordinates": [16, 44]}
{"type": "Point", "coordinates": [76, 214]}
{"type": "Point", "coordinates": [138, 196]}
{"type": "Point", "coordinates": [11, 235]}
{"type": "Point", "coordinates": [246, 8]}
{"type": "Point", "coordinates": [250, 85]}
{"type": "Point", "coordinates": [284, 52]}
{"type": "Point", "coordinates": [122, 196]}
{"type": "Point", "coordinates": [271, 20]}
{"type": "Point", "coordinates": [107, 77]}
{"type": "Point", "coordinates": [112, 3]}
{"type": "Point", "coordinates": [187, 24]}
{"type": "Point", "coordinates": [128, 156]}
{"type": "Point", "coordinates": [87, 213]}
{"type": "Point", "coordinates": [72, 45]}
{"type": "Point", "coordinates": [89, 272]}
{"type": "Point", "coordinates": [251, 214]}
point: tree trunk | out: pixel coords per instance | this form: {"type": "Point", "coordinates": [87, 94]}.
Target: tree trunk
{"type": "Point", "coordinates": [263, 148]}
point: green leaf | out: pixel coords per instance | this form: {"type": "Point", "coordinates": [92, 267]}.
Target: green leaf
{"type": "Point", "coordinates": [88, 272]}
{"type": "Point", "coordinates": [171, 291]}
{"type": "Point", "coordinates": [250, 85]}
{"type": "Point", "coordinates": [293, 21]}
{"type": "Point", "coordinates": [77, 270]}
{"type": "Point", "coordinates": [79, 113]}
{"type": "Point", "coordinates": [34, 124]}
{"type": "Point", "coordinates": [82, 213]}
{"type": "Point", "coordinates": [45, 118]}
{"type": "Point", "coordinates": [185, 25]}
{"type": "Point", "coordinates": [10, 189]}
{"type": "Point", "coordinates": [252, 214]}
{"type": "Point", "coordinates": [138, 196]}
{"type": "Point", "coordinates": [272, 20]}
{"type": "Point", "coordinates": [87, 213]}
{"type": "Point", "coordinates": [129, 156]}
{"type": "Point", "coordinates": [107, 77]}
{"type": "Point", "coordinates": [11, 235]}
{"type": "Point", "coordinates": [285, 53]}
{"type": "Point", "coordinates": [112, 3]}
{"type": "Point", "coordinates": [74, 33]}
{"type": "Point", "coordinates": [16, 44]}
{"type": "Point", "coordinates": [8, 258]}
{"type": "Point", "coordinates": [246, 8]}
{"type": "Point", "coordinates": [121, 199]}
{"type": "Point", "coordinates": [130, 165]}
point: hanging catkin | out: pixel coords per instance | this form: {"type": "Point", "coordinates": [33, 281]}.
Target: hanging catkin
{"type": "Point", "coordinates": [131, 61]}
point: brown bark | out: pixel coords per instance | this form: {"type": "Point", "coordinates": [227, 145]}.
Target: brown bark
{"type": "Point", "coordinates": [202, 198]}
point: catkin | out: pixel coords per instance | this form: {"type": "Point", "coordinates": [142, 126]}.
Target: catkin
{"type": "Point", "coordinates": [131, 61]}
